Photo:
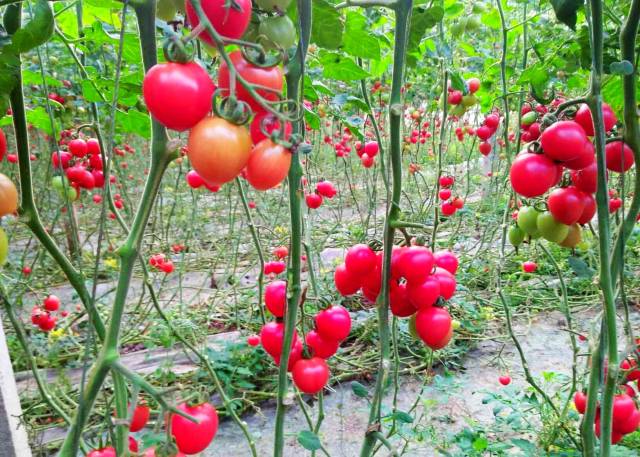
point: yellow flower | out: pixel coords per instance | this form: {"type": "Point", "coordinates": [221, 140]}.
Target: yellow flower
{"type": "Point", "coordinates": [280, 230]}
{"type": "Point", "coordinates": [111, 263]}
{"type": "Point", "coordinates": [56, 334]}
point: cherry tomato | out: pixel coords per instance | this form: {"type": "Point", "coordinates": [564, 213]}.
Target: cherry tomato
{"type": "Point", "coordinates": [228, 19]}
{"type": "Point", "coordinates": [268, 165]}
{"type": "Point", "coordinates": [313, 201]}
{"type": "Point", "coordinates": [590, 209]}
{"type": "Point", "coordinates": [192, 437]}
{"type": "Point", "coordinates": [360, 259]}
{"type": "Point", "coordinates": [447, 282]}
{"type": "Point", "coordinates": [586, 179]}
{"type": "Point", "coordinates": [415, 264]}
{"type": "Point", "coordinates": [8, 196]}
{"type": "Point", "coordinates": [218, 150]}
{"type": "Point", "coordinates": [473, 84]}
{"type": "Point", "coordinates": [446, 260]}
{"type": "Point", "coordinates": [346, 282]}
{"type": "Point", "coordinates": [194, 180]}
{"type": "Point", "coordinates": [619, 156]}
{"type": "Point", "coordinates": [270, 78]}
{"type": "Point", "coordinates": [61, 157]}
{"type": "Point", "coordinates": [178, 95]}
{"type": "Point", "coordinates": [399, 303]}
{"type": "Point", "coordinates": [563, 141]}
{"type": "Point", "coordinates": [566, 204]}
{"type": "Point", "coordinates": [277, 32]}
{"type": "Point", "coordinates": [615, 436]}
{"type": "Point", "coordinates": [51, 303]}
{"type": "Point", "coordinates": [140, 418]}
{"type": "Point", "coordinates": [532, 175]}
{"type": "Point", "coordinates": [104, 452]}
{"type": "Point", "coordinates": [425, 294]}
{"type": "Point", "coordinates": [326, 189]}
{"type": "Point", "coordinates": [321, 347]}
{"type": "Point", "coordinates": [580, 402]}
{"type": "Point", "coordinates": [504, 380]}
{"type": "Point", "coordinates": [550, 228]}
{"type": "Point", "coordinates": [253, 340]}
{"type": "Point", "coordinates": [269, 123]}
{"type": "Point", "coordinates": [310, 375]}
{"type": "Point", "coordinates": [275, 297]}
{"type": "Point", "coordinates": [272, 338]}
{"type": "Point", "coordinates": [529, 266]}
{"type": "Point", "coordinates": [583, 117]}
{"type": "Point", "coordinates": [3, 145]}
{"type": "Point", "coordinates": [433, 326]}
{"type": "Point", "coordinates": [333, 323]}
{"type": "Point", "coordinates": [78, 147]}
{"type": "Point", "coordinates": [629, 425]}
{"type": "Point", "coordinates": [484, 148]}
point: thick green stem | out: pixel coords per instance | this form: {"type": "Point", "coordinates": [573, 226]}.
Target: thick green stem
{"type": "Point", "coordinates": [403, 16]}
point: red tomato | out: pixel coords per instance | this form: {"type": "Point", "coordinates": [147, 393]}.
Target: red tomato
{"type": "Point", "coordinates": [583, 117]}
{"type": "Point", "coordinates": [415, 264]}
{"type": "Point", "coordinates": [457, 203]}
{"type": "Point", "coordinates": [313, 201]}
{"type": "Point", "coordinates": [333, 323]}
{"type": "Point", "coordinates": [275, 297]}
{"type": "Point", "coordinates": [425, 294]}
{"type": "Point", "coordinates": [218, 150]}
{"type": "Point", "coordinates": [104, 452]}
{"type": "Point", "coordinates": [272, 338]}
{"type": "Point", "coordinates": [310, 375]}
{"type": "Point", "coordinates": [484, 148]}
{"type": "Point", "coordinates": [529, 266]}
{"type": "Point", "coordinates": [3, 145]}
{"type": "Point", "coordinates": [133, 444]}
{"type": "Point", "coordinates": [61, 157]}
{"type": "Point", "coordinates": [326, 189]}
{"type": "Point", "coordinates": [619, 156]}
{"type": "Point", "coordinates": [51, 303]}
{"type": "Point", "coordinates": [454, 97]}
{"type": "Point", "coordinates": [566, 204]}
{"type": "Point", "coordinates": [366, 160]}
{"type": "Point", "coordinates": [433, 326]}
{"type": "Point", "coordinates": [586, 179]}
{"type": "Point", "coordinates": [46, 322]}
{"type": "Point", "coordinates": [446, 181]}
{"type": "Point", "coordinates": [563, 141]}
{"type": "Point", "coordinates": [178, 95]}
{"type": "Point", "coordinates": [630, 425]}
{"type": "Point", "coordinates": [446, 260]}
{"type": "Point", "coordinates": [444, 194]}
{"type": "Point", "coordinates": [360, 259]}
{"type": "Point", "coordinates": [268, 165]}
{"type": "Point", "coordinates": [484, 133]}
{"type": "Point", "coordinates": [447, 282]}
{"type": "Point", "coordinates": [346, 282]}
{"type": "Point", "coordinates": [580, 401]}
{"type": "Point", "coordinates": [399, 300]}
{"type": "Point", "coordinates": [269, 123]}
{"type": "Point", "coordinates": [93, 147]}
{"type": "Point", "coordinates": [228, 19]}
{"type": "Point", "coordinates": [532, 175]}
{"type": "Point", "coordinates": [253, 340]}
{"type": "Point", "coordinates": [504, 380]}
{"type": "Point", "coordinates": [271, 78]}
{"type": "Point", "coordinates": [590, 208]}
{"type": "Point", "coordinates": [448, 209]}
{"type": "Point", "coordinates": [371, 148]}
{"type": "Point", "coordinates": [78, 147]}
{"type": "Point", "coordinates": [140, 418]}
{"type": "Point", "coordinates": [321, 347]}
{"type": "Point", "coordinates": [615, 436]}
{"type": "Point", "coordinates": [192, 437]}
{"type": "Point", "coordinates": [473, 84]}
{"type": "Point", "coordinates": [194, 180]}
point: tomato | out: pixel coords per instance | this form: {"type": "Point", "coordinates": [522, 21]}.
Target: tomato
{"type": "Point", "coordinates": [415, 264]}
{"type": "Point", "coordinates": [104, 452]}
{"type": "Point", "coordinates": [534, 131]}
{"type": "Point", "coordinates": [51, 303]}
{"type": "Point", "coordinates": [8, 196]}
{"type": "Point", "coordinates": [584, 159]}
{"type": "Point", "coordinates": [447, 209]}
{"type": "Point", "coordinates": [346, 282]}
{"type": "Point", "coordinates": [360, 259]}
{"type": "Point", "coordinates": [326, 189]}
{"type": "Point", "coordinates": [133, 445]}
{"type": "Point", "coordinates": [140, 418]}
{"type": "Point", "coordinates": [273, 5]}
{"type": "Point", "coordinates": [61, 157]}
{"type": "Point", "coordinates": [566, 204]}
{"type": "Point", "coordinates": [294, 355]}
{"type": "Point", "coordinates": [194, 180]}
{"type": "Point", "coordinates": [433, 326]}
{"type": "Point", "coordinates": [366, 160]}
{"type": "Point", "coordinates": [3, 145]}
{"type": "Point", "coordinates": [629, 425]}
{"type": "Point", "coordinates": [267, 121]}
{"type": "Point", "coordinates": [586, 179]}
{"type": "Point", "coordinates": [446, 260]}
{"type": "Point", "coordinates": [580, 402]}
{"type": "Point", "coordinates": [484, 148]}
{"type": "Point", "coordinates": [623, 406]}
{"type": "Point", "coordinates": [272, 338]}
{"type": "Point", "coordinates": [527, 220]}
{"type": "Point", "coordinates": [165, 10]}
{"type": "Point", "coordinates": [228, 19]}
{"type": "Point", "coordinates": [473, 84]}
{"type": "Point", "coordinates": [277, 32]}
{"type": "Point", "coordinates": [532, 175]}
{"type": "Point", "coordinates": [271, 78]}
{"type": "Point", "coordinates": [563, 140]}
{"type": "Point", "coordinates": [619, 156]}
{"type": "Point", "coordinates": [484, 133]}
{"type": "Point", "coordinates": [529, 267]}
{"type": "Point", "coordinates": [281, 252]}
{"type": "Point", "coordinates": [268, 165]}
{"type": "Point", "coordinates": [444, 194]}
{"type": "Point", "coordinates": [504, 380]}
{"type": "Point", "coordinates": [399, 301]}
{"type": "Point", "coordinates": [310, 375]}
{"type": "Point", "coordinates": [457, 203]}
{"type": "Point", "coordinates": [253, 340]}
{"type": "Point", "coordinates": [447, 282]}
{"type": "Point", "coordinates": [275, 297]}
{"type": "Point", "coordinates": [218, 150]}
{"type": "Point", "coordinates": [584, 119]}
{"type": "Point", "coordinates": [446, 181]}
{"type": "Point", "coordinates": [551, 229]}
{"type": "Point", "coordinates": [4, 246]}
{"type": "Point", "coordinates": [371, 148]}
{"type": "Point", "coordinates": [46, 322]}
{"type": "Point", "coordinates": [454, 97]}
{"type": "Point", "coordinates": [590, 209]}
{"type": "Point", "coordinates": [321, 347]}
{"type": "Point", "coordinates": [615, 436]}
{"type": "Point", "coordinates": [425, 294]}
{"type": "Point", "coordinates": [93, 147]}
{"type": "Point", "coordinates": [574, 237]}
{"type": "Point", "coordinates": [178, 95]}
{"type": "Point", "coordinates": [192, 437]}
{"type": "Point", "coordinates": [516, 235]}
{"type": "Point", "coordinates": [333, 323]}
{"type": "Point", "coordinates": [313, 201]}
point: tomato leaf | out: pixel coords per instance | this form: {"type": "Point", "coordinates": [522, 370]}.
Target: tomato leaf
{"type": "Point", "coordinates": [580, 267]}
{"type": "Point", "coordinates": [567, 11]}
{"type": "Point", "coordinates": [422, 19]}
{"type": "Point", "coordinates": [311, 118]}
{"type": "Point", "coordinates": [336, 66]}
{"type": "Point", "coordinates": [359, 390]}
{"type": "Point", "coordinates": [328, 26]}
{"type": "Point", "coordinates": [358, 40]}
{"type": "Point", "coordinates": [401, 416]}
{"type": "Point", "coordinates": [457, 82]}
{"type": "Point", "coordinates": [35, 32]}
{"type": "Point", "coordinates": [309, 440]}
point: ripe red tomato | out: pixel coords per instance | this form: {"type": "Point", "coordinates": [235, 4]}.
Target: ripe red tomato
{"type": "Point", "coordinates": [447, 282]}
{"type": "Point", "coordinates": [346, 282]}
{"type": "Point", "coordinates": [448, 209]}
{"type": "Point", "coordinates": [446, 260]}
{"type": "Point", "coordinates": [218, 150]}
{"type": "Point", "coordinates": [333, 323]}
{"type": "Point", "coordinates": [444, 194]}
{"type": "Point", "coordinates": [275, 297]}
{"type": "Point", "coordinates": [93, 147]}
{"type": "Point", "coordinates": [140, 418]}
{"type": "Point", "coordinates": [133, 444]}
{"type": "Point", "coordinates": [529, 266]}
{"type": "Point", "coordinates": [51, 303]}
{"type": "Point", "coordinates": [104, 452]}
{"type": "Point", "coordinates": [584, 159]}
{"type": "Point", "coordinates": [47, 322]}
{"type": "Point", "coordinates": [360, 259]}
{"type": "Point", "coordinates": [425, 294]}
{"type": "Point", "coordinates": [580, 402]}
{"type": "Point", "coordinates": [586, 179]}
{"type": "Point", "coordinates": [194, 180]}
{"type": "Point", "coordinates": [504, 380]}
{"type": "Point", "coordinates": [270, 78]}
{"type": "Point", "coordinates": [484, 148]}
{"type": "Point", "coordinates": [399, 300]}
{"type": "Point", "coordinates": [563, 141]}
{"type": "Point", "coordinates": [253, 340]}
{"type": "Point", "coordinates": [78, 147]}
{"type": "Point", "coordinates": [619, 156]}
{"type": "Point", "coordinates": [473, 84]}
{"type": "Point", "coordinates": [178, 95]}
{"type": "Point", "coordinates": [415, 264]}
{"type": "Point", "coordinates": [366, 160]}
{"type": "Point", "coordinates": [229, 20]}
{"type": "Point", "coordinates": [326, 189]}
{"type": "Point", "coordinates": [457, 203]}
{"type": "Point", "coordinates": [583, 117]}
{"type": "Point", "coordinates": [3, 145]}
{"type": "Point", "coordinates": [454, 97]}
{"type": "Point", "coordinates": [313, 201]}
{"type": "Point", "coordinates": [281, 252]}
{"type": "Point", "coordinates": [566, 204]}
{"type": "Point", "coordinates": [623, 406]}
{"type": "Point", "coordinates": [272, 337]}
{"type": "Point", "coordinates": [61, 157]}
{"type": "Point", "coordinates": [371, 148]}
{"type": "Point", "coordinates": [269, 123]}
{"type": "Point", "coordinates": [192, 437]}
{"type": "Point", "coordinates": [630, 425]}
{"type": "Point", "coordinates": [532, 175]}
{"type": "Point", "coordinates": [492, 121]}
{"type": "Point", "coordinates": [321, 347]}
{"type": "Point", "coordinates": [268, 165]}
{"type": "Point", "coordinates": [484, 133]}
{"type": "Point", "coordinates": [446, 181]}
{"type": "Point", "coordinates": [433, 326]}
{"type": "Point", "coordinates": [615, 204]}
{"type": "Point", "coordinates": [310, 375]}
{"type": "Point", "coordinates": [615, 436]}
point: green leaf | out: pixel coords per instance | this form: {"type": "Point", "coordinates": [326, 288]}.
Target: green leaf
{"type": "Point", "coordinates": [328, 27]}
{"type": "Point", "coordinates": [311, 118]}
{"type": "Point", "coordinates": [37, 31]}
{"type": "Point", "coordinates": [39, 118]}
{"type": "Point", "coordinates": [403, 417]}
{"type": "Point", "coordinates": [567, 11]}
{"type": "Point", "coordinates": [309, 440]}
{"type": "Point", "coordinates": [422, 19]}
{"type": "Point", "coordinates": [580, 267]}
{"type": "Point", "coordinates": [358, 40]}
{"type": "Point", "coordinates": [621, 68]}
{"type": "Point", "coordinates": [336, 66]}
{"type": "Point", "coordinates": [457, 82]}
{"type": "Point", "coordinates": [134, 121]}
{"type": "Point", "coordinates": [359, 390]}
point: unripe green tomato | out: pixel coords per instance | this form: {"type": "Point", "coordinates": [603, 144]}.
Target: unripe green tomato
{"type": "Point", "coordinates": [455, 324]}
{"type": "Point", "coordinates": [4, 247]}
{"type": "Point", "coordinates": [516, 235]}
{"type": "Point", "coordinates": [251, 34]}
{"type": "Point", "coordinates": [457, 29]}
{"type": "Point", "coordinates": [584, 245]}
{"type": "Point", "coordinates": [277, 32]}
{"type": "Point", "coordinates": [469, 100]}
{"type": "Point", "coordinates": [412, 327]}
{"type": "Point", "coordinates": [529, 118]}
{"type": "Point", "coordinates": [178, 4]}
{"type": "Point", "coordinates": [458, 110]}
{"type": "Point", "coordinates": [272, 5]}
{"type": "Point", "coordinates": [165, 10]}
{"type": "Point", "coordinates": [551, 229]}
{"type": "Point", "coordinates": [478, 8]}
{"type": "Point", "coordinates": [57, 182]}
{"type": "Point", "coordinates": [473, 24]}
{"type": "Point", "coordinates": [72, 193]}
{"type": "Point", "coordinates": [528, 220]}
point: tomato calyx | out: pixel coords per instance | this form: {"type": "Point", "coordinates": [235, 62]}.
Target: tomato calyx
{"type": "Point", "coordinates": [256, 56]}
{"type": "Point", "coordinates": [175, 50]}
{"type": "Point", "coordinates": [230, 108]}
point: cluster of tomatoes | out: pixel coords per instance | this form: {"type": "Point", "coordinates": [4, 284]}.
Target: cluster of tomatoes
{"type": "Point", "coordinates": [530, 128]}
{"type": "Point", "coordinates": [421, 282]}
{"type": "Point", "coordinates": [463, 99]}
{"type": "Point", "coordinates": [195, 181]}
{"type": "Point", "coordinates": [81, 163]}
{"type": "Point", "coordinates": [486, 131]}
{"type": "Point", "coordinates": [161, 263]}
{"type": "Point", "coordinates": [189, 437]}
{"type": "Point", "coordinates": [42, 316]}
{"type": "Point", "coordinates": [449, 205]}
{"type": "Point", "coordinates": [564, 144]}
{"type": "Point", "coordinates": [625, 417]}
{"type": "Point", "coordinates": [367, 152]}
{"type": "Point", "coordinates": [324, 189]}
{"type": "Point", "coordinates": [419, 136]}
